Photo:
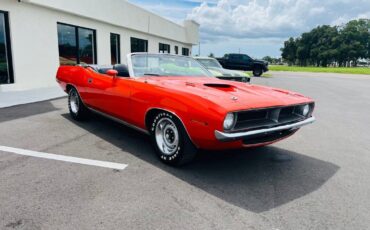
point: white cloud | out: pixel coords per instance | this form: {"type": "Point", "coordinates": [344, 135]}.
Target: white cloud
{"type": "Point", "coordinates": [272, 18]}
{"type": "Point", "coordinates": [256, 27]}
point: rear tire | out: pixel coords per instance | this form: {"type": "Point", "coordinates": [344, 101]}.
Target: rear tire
{"type": "Point", "coordinates": [170, 140]}
{"type": "Point", "coordinates": [77, 109]}
{"type": "Point", "coordinates": [257, 71]}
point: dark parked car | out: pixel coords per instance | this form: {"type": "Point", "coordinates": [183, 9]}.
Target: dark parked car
{"type": "Point", "coordinates": [244, 62]}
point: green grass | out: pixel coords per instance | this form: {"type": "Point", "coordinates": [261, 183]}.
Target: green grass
{"type": "Point", "coordinates": [266, 75]}
{"type": "Point", "coordinates": [348, 70]}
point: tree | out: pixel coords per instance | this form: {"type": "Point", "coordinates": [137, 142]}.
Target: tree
{"type": "Point", "coordinates": [211, 55]}
{"type": "Point", "coordinates": [268, 59]}
{"type": "Point", "coordinates": [289, 51]}
{"type": "Point", "coordinates": [355, 38]}
{"type": "Point", "coordinates": [326, 44]}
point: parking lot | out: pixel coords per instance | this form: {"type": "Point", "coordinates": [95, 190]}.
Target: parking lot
{"type": "Point", "coordinates": [317, 179]}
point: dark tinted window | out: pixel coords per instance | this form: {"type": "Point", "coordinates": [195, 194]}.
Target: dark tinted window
{"type": "Point", "coordinates": [245, 57]}
{"type": "Point", "coordinates": [185, 51]}
{"type": "Point", "coordinates": [86, 48]}
{"type": "Point", "coordinates": [6, 69]}
{"type": "Point", "coordinates": [234, 57]}
{"type": "Point", "coordinates": [164, 48]}
{"type": "Point", "coordinates": [176, 50]}
{"type": "Point", "coordinates": [67, 44]}
{"type": "Point", "coordinates": [76, 45]}
{"type": "Point", "coordinates": [115, 49]}
{"type": "Point", "coordinates": [139, 45]}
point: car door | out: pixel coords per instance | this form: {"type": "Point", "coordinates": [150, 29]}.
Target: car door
{"type": "Point", "coordinates": [238, 61]}
{"type": "Point", "coordinates": [233, 61]}
{"type": "Point", "coordinates": [97, 89]}
{"type": "Point", "coordinates": [108, 94]}
{"type": "Point", "coordinates": [119, 104]}
{"type": "Point", "coordinates": [246, 62]}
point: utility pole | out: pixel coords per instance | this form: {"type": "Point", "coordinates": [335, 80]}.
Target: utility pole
{"type": "Point", "coordinates": [199, 49]}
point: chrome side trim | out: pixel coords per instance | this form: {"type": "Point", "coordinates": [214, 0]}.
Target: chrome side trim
{"type": "Point", "coordinates": [119, 121]}
{"type": "Point", "coordinates": [221, 136]}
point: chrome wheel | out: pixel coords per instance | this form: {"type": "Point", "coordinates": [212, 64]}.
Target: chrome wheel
{"type": "Point", "coordinates": [167, 136]}
{"type": "Point", "coordinates": [74, 101]}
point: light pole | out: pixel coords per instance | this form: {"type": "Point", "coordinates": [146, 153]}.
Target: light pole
{"type": "Point", "coordinates": [199, 49]}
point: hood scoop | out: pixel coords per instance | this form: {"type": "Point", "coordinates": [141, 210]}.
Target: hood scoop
{"type": "Point", "coordinates": [220, 86]}
{"type": "Point", "coordinates": [217, 85]}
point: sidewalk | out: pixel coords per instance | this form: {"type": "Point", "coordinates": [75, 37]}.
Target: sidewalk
{"type": "Point", "coordinates": [8, 99]}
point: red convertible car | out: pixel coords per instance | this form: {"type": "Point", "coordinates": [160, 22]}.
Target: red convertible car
{"type": "Point", "coordinates": [182, 107]}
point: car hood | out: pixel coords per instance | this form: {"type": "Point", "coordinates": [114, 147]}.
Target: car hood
{"type": "Point", "coordinates": [232, 96]}
{"type": "Point", "coordinates": [226, 73]}
{"type": "Point", "coordinates": [260, 61]}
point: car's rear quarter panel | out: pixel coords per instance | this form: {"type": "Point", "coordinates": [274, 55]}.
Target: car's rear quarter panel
{"type": "Point", "coordinates": [72, 75]}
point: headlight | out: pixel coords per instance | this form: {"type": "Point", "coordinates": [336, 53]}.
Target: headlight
{"type": "Point", "coordinates": [229, 121]}
{"type": "Point", "coordinates": [304, 110]}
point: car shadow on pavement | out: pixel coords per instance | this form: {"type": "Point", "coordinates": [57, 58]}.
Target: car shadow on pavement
{"type": "Point", "coordinates": [257, 179]}
{"type": "Point", "coordinates": [26, 110]}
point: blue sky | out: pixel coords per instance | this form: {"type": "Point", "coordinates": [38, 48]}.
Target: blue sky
{"type": "Point", "coordinates": [255, 27]}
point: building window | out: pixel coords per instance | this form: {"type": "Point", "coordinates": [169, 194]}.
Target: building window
{"type": "Point", "coordinates": [185, 51]}
{"type": "Point", "coordinates": [115, 50]}
{"type": "Point", "coordinates": [176, 50]}
{"type": "Point", "coordinates": [6, 65]}
{"type": "Point", "coordinates": [86, 47]}
{"type": "Point", "coordinates": [139, 45]}
{"type": "Point", "coordinates": [77, 45]}
{"type": "Point", "coordinates": [164, 48]}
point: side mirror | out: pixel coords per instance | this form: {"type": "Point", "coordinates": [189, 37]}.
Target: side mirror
{"type": "Point", "coordinates": [112, 73]}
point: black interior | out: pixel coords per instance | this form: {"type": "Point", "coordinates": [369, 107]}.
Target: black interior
{"type": "Point", "coordinates": [120, 68]}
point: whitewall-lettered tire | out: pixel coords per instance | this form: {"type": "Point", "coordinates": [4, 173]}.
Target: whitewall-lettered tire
{"type": "Point", "coordinates": [170, 140]}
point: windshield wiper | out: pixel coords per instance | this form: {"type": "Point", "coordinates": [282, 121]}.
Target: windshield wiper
{"type": "Point", "coordinates": [151, 74]}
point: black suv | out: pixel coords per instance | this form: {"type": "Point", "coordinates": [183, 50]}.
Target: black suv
{"type": "Point", "coordinates": [244, 62]}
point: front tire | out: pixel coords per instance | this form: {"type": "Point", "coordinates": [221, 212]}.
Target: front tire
{"type": "Point", "coordinates": [77, 109]}
{"type": "Point", "coordinates": [170, 140]}
{"type": "Point", "coordinates": [257, 71]}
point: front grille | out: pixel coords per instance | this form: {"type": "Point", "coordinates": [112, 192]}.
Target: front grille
{"type": "Point", "coordinates": [269, 117]}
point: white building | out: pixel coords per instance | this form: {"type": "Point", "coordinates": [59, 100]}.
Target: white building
{"type": "Point", "coordinates": [36, 36]}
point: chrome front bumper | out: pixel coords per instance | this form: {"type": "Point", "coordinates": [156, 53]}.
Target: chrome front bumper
{"type": "Point", "coordinates": [221, 136]}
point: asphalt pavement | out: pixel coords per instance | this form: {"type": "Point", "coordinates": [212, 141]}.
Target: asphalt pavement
{"type": "Point", "coordinates": [316, 179]}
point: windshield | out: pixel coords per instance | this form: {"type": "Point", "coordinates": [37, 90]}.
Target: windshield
{"type": "Point", "coordinates": [166, 65]}
{"type": "Point", "coordinates": [208, 63]}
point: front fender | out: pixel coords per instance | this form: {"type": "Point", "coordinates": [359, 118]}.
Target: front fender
{"type": "Point", "coordinates": [199, 116]}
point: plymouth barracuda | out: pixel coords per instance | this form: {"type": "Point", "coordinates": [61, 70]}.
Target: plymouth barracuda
{"type": "Point", "coordinates": [182, 106]}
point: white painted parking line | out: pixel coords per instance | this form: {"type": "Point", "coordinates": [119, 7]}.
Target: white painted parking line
{"type": "Point", "coordinates": [25, 152]}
